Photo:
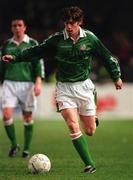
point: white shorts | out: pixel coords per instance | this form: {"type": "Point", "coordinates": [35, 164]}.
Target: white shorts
{"type": "Point", "coordinates": [18, 93]}
{"type": "Point", "coordinates": [78, 95]}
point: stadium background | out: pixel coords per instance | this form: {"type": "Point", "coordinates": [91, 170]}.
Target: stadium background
{"type": "Point", "coordinates": [109, 20]}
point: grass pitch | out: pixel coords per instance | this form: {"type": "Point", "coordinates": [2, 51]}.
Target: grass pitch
{"type": "Point", "coordinates": [111, 148]}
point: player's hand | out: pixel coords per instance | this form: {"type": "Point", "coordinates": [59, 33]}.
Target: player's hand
{"type": "Point", "coordinates": [37, 86]}
{"type": "Point", "coordinates": [7, 58]}
{"type": "Point", "coordinates": [118, 84]}
{"type": "Point", "coordinates": [37, 90]}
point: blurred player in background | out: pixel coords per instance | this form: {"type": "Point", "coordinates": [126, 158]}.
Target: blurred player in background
{"type": "Point", "coordinates": [73, 50]}
{"type": "Point", "coordinates": [21, 83]}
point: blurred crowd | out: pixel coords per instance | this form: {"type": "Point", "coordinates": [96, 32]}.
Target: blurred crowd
{"type": "Point", "coordinates": [109, 20]}
{"type": "Point", "coordinates": [122, 47]}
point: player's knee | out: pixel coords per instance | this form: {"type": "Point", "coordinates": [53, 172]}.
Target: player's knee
{"type": "Point", "coordinates": [7, 116]}
{"type": "Point", "coordinates": [90, 131]}
{"type": "Point", "coordinates": [73, 127]}
{"type": "Point", "coordinates": [27, 117]}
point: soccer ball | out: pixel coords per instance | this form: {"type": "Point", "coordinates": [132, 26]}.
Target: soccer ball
{"type": "Point", "coordinates": [39, 163]}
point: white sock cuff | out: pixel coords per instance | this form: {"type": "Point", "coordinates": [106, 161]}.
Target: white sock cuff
{"type": "Point", "coordinates": [75, 135]}
{"type": "Point", "coordinates": [28, 123]}
{"type": "Point", "coordinates": [8, 122]}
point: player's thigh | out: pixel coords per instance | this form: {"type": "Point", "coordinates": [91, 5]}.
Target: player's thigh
{"type": "Point", "coordinates": [87, 107]}
{"type": "Point", "coordinates": [9, 97]}
{"type": "Point", "coordinates": [27, 99]}
{"type": "Point", "coordinates": [71, 117]}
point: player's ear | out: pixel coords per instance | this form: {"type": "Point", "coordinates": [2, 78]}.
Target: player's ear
{"type": "Point", "coordinates": [80, 23]}
{"type": "Point", "coordinates": [25, 28]}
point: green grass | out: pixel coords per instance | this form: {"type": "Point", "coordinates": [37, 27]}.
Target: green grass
{"type": "Point", "coordinates": [111, 147]}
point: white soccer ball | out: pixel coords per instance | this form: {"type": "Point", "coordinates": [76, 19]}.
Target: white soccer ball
{"type": "Point", "coordinates": [39, 163]}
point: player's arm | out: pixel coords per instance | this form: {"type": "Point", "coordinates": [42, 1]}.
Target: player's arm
{"type": "Point", "coordinates": [1, 71]}
{"type": "Point", "coordinates": [34, 53]}
{"type": "Point", "coordinates": [2, 65]}
{"type": "Point", "coordinates": [110, 62]}
{"type": "Point", "coordinates": [29, 54]}
{"type": "Point", "coordinates": [38, 86]}
{"type": "Point", "coordinates": [38, 72]}
{"type": "Point", "coordinates": [38, 69]}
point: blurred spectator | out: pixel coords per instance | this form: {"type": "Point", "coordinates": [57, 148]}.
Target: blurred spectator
{"type": "Point", "coordinates": [121, 46]}
{"type": "Point", "coordinates": [128, 70]}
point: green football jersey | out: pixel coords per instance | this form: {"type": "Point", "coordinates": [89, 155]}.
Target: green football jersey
{"type": "Point", "coordinates": [73, 60]}
{"type": "Point", "coordinates": [21, 71]}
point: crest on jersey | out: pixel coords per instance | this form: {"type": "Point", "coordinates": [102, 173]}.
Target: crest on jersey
{"type": "Point", "coordinates": [83, 47]}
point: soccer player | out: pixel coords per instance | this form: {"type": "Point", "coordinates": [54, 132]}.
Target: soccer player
{"type": "Point", "coordinates": [73, 49]}
{"type": "Point", "coordinates": [21, 83]}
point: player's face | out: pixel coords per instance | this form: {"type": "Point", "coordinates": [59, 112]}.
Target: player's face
{"type": "Point", "coordinates": [72, 28]}
{"type": "Point", "coordinates": [18, 27]}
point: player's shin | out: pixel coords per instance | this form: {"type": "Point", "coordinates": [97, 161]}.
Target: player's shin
{"type": "Point", "coordinates": [28, 133]}
{"type": "Point", "coordinates": [10, 130]}
{"type": "Point", "coordinates": [81, 146]}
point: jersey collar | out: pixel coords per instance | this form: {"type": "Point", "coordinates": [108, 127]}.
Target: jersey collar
{"type": "Point", "coordinates": [81, 33]}
{"type": "Point", "coordinates": [25, 39]}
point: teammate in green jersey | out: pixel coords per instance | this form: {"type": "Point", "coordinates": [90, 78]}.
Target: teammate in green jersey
{"type": "Point", "coordinates": [21, 83]}
{"type": "Point", "coordinates": [73, 50]}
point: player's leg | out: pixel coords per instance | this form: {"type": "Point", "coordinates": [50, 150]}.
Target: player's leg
{"type": "Point", "coordinates": [87, 111]}
{"type": "Point", "coordinates": [67, 95]}
{"type": "Point", "coordinates": [89, 126]}
{"type": "Point", "coordinates": [10, 130]}
{"type": "Point", "coordinates": [78, 139]}
{"type": "Point", "coordinates": [9, 125]}
{"type": "Point", "coordinates": [28, 105]}
{"type": "Point", "coordinates": [28, 132]}
{"type": "Point", "coordinates": [9, 102]}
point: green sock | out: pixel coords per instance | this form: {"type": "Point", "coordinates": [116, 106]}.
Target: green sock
{"type": "Point", "coordinates": [10, 130]}
{"type": "Point", "coordinates": [83, 150]}
{"type": "Point", "coordinates": [28, 132]}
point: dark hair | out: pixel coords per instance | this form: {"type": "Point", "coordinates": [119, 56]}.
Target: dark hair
{"type": "Point", "coordinates": [73, 13]}
{"type": "Point", "coordinates": [18, 18]}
